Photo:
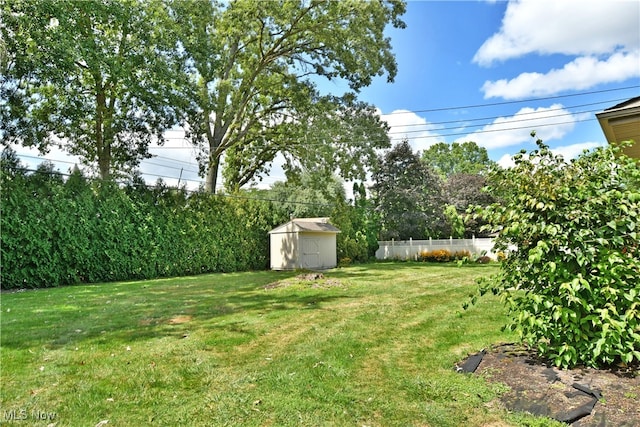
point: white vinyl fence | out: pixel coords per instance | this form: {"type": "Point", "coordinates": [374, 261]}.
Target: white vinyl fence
{"type": "Point", "coordinates": [409, 249]}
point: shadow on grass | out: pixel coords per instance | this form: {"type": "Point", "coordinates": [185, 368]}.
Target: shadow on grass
{"type": "Point", "coordinates": [136, 311]}
{"type": "Point", "coordinates": [171, 307]}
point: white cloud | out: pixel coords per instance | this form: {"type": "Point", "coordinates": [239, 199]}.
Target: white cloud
{"type": "Point", "coordinates": [549, 123]}
{"type": "Point", "coordinates": [574, 150]}
{"type": "Point", "coordinates": [407, 124]}
{"type": "Point", "coordinates": [602, 38]}
{"type": "Point", "coordinates": [506, 161]}
{"type": "Point", "coordinates": [568, 152]}
{"type": "Point", "coordinates": [570, 27]}
{"type": "Point", "coordinates": [581, 73]}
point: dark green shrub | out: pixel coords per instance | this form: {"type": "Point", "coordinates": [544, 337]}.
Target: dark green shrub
{"type": "Point", "coordinates": [57, 233]}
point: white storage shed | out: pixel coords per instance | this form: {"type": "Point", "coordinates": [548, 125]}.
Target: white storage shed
{"type": "Point", "coordinates": [308, 243]}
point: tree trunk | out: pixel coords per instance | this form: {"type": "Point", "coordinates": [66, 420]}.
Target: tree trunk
{"type": "Point", "coordinates": [212, 175]}
{"type": "Point", "coordinates": [103, 145]}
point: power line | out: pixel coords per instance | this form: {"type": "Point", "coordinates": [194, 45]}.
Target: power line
{"type": "Point", "coordinates": [463, 123]}
{"type": "Point", "coordinates": [503, 129]}
{"type": "Point", "coordinates": [519, 114]}
{"type": "Point", "coordinates": [46, 159]}
{"type": "Point", "coordinates": [488, 124]}
{"type": "Point", "coordinates": [493, 104]}
{"type": "Point", "coordinates": [231, 196]}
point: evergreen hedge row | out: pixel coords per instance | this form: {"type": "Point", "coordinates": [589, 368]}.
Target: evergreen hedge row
{"type": "Point", "coordinates": [58, 232]}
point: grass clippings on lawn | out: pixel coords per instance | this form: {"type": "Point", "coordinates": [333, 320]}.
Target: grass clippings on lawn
{"type": "Point", "coordinates": [221, 349]}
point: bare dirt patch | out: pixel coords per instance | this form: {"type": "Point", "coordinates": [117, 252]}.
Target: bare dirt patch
{"type": "Point", "coordinates": [580, 397]}
{"type": "Point", "coordinates": [312, 280]}
{"type": "Point", "coordinates": [178, 320]}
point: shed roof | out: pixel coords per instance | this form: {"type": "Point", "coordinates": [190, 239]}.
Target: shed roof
{"type": "Point", "coordinates": [317, 225]}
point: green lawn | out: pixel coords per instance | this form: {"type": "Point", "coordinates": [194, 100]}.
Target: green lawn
{"type": "Point", "coordinates": [373, 345]}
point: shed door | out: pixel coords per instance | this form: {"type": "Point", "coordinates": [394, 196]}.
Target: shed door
{"type": "Point", "coordinates": [310, 253]}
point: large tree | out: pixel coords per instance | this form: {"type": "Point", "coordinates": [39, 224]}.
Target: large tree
{"type": "Point", "coordinates": [97, 78]}
{"type": "Point", "coordinates": [408, 196]}
{"type": "Point", "coordinates": [455, 158]}
{"type": "Point", "coordinates": [255, 64]}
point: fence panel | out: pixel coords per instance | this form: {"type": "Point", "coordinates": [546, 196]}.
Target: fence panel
{"type": "Point", "coordinates": [409, 249]}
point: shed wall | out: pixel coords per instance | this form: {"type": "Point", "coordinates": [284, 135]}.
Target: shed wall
{"type": "Point", "coordinates": [293, 250]}
{"type": "Point", "coordinates": [283, 251]}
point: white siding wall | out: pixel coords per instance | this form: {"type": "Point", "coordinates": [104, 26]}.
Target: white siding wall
{"type": "Point", "coordinates": [293, 250]}
{"type": "Point", "coordinates": [284, 249]}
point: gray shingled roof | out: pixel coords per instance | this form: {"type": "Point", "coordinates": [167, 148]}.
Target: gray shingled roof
{"type": "Point", "coordinates": [306, 225]}
{"type": "Point", "coordinates": [317, 225]}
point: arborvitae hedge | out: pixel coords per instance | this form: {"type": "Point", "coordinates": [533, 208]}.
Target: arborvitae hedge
{"type": "Point", "coordinates": [58, 232]}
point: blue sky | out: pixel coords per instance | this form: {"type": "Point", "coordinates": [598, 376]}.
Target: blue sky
{"type": "Point", "coordinates": [462, 53]}
{"type": "Point", "coordinates": [489, 72]}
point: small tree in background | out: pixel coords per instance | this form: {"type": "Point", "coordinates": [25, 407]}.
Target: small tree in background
{"type": "Point", "coordinates": [451, 159]}
{"type": "Point", "coordinates": [408, 196]}
{"type": "Point", "coordinates": [571, 279]}
{"type": "Point", "coordinates": [463, 190]}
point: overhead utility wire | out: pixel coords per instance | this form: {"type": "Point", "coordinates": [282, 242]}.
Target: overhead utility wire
{"type": "Point", "coordinates": [47, 159]}
{"type": "Point", "coordinates": [75, 163]}
{"type": "Point", "coordinates": [464, 121]}
{"type": "Point", "coordinates": [499, 130]}
{"type": "Point", "coordinates": [232, 196]}
{"type": "Point", "coordinates": [493, 104]}
{"type": "Point", "coordinates": [487, 124]}
{"type": "Point", "coordinates": [466, 133]}
{"type": "Point", "coordinates": [528, 113]}
{"type": "Point", "coordinates": [435, 123]}
{"type": "Point", "coordinates": [392, 139]}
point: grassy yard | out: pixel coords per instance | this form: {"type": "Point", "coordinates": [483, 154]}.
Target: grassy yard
{"type": "Point", "coordinates": [370, 345]}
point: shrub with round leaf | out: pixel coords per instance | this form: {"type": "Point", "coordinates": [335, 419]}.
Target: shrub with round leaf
{"type": "Point", "coordinates": [571, 282]}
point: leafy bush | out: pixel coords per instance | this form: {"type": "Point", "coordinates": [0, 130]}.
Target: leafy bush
{"type": "Point", "coordinates": [461, 254]}
{"type": "Point", "coordinates": [571, 285]}
{"type": "Point", "coordinates": [437, 255]}
{"type": "Point", "coordinates": [443, 255]}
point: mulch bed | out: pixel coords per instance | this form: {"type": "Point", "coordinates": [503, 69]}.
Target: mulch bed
{"type": "Point", "coordinates": [580, 397]}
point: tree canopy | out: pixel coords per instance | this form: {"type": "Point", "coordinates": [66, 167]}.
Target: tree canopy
{"type": "Point", "coordinates": [449, 159]}
{"type": "Point", "coordinates": [463, 191]}
{"type": "Point", "coordinates": [254, 67]}
{"type": "Point", "coordinates": [98, 78]}
{"type": "Point", "coordinates": [104, 79]}
{"type": "Point", "coordinates": [307, 197]}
